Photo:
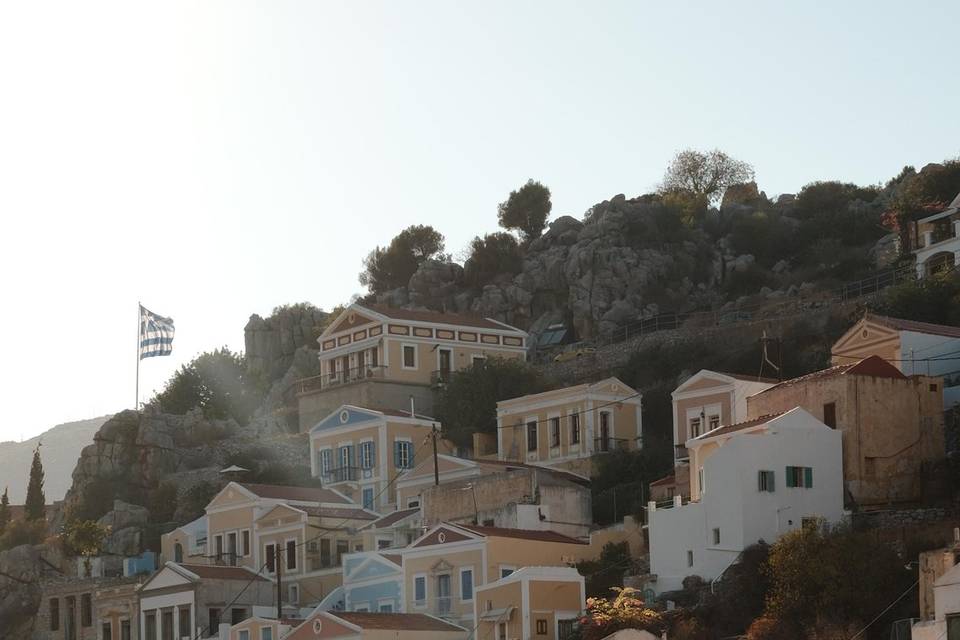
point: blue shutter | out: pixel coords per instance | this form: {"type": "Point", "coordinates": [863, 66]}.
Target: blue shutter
{"type": "Point", "coordinates": [771, 481]}
{"type": "Point", "coordinates": [396, 455]}
{"type": "Point", "coordinates": [410, 464]}
{"type": "Point", "coordinates": [790, 477]}
{"type": "Point", "coordinates": [373, 454]}
{"type": "Point", "coordinates": [351, 460]}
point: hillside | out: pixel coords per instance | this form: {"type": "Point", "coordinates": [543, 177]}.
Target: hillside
{"type": "Point", "coordinates": [60, 450]}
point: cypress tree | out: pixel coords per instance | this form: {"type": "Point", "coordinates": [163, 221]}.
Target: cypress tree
{"type": "Point", "coordinates": [4, 510]}
{"type": "Point", "coordinates": [35, 507]}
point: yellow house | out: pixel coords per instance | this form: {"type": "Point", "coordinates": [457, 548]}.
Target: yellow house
{"type": "Point", "coordinates": [443, 568]}
{"type": "Point", "coordinates": [259, 628]}
{"type": "Point", "coordinates": [360, 451]}
{"type": "Point", "coordinates": [373, 355]}
{"type": "Point", "coordinates": [354, 625]}
{"type": "Point", "coordinates": [565, 427]}
{"type": "Point", "coordinates": [532, 602]}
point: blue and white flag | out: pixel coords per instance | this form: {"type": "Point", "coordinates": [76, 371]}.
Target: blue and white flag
{"type": "Point", "coordinates": [156, 334]}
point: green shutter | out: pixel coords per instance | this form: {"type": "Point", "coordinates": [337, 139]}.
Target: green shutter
{"type": "Point", "coordinates": [808, 477]}
{"type": "Point", "coordinates": [790, 477]}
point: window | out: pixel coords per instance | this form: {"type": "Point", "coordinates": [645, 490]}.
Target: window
{"type": "Point", "coordinates": [266, 633]}
{"type": "Point", "coordinates": [386, 608]}
{"type": "Point", "coordinates": [106, 632]}
{"type": "Point", "coordinates": [701, 481]}
{"type": "Point", "coordinates": [466, 584]}
{"type": "Point", "coordinates": [238, 615]}
{"type": "Point", "coordinates": [54, 614]}
{"type": "Point", "coordinates": [291, 553]}
{"type": "Point", "coordinates": [689, 558]}
{"type": "Point", "coordinates": [714, 422]}
{"type": "Point", "coordinates": [324, 552]}
{"type": "Point", "coordinates": [413, 503]}
{"type": "Point", "coordinates": [346, 458]}
{"type": "Point", "coordinates": [953, 627]}
{"type": "Point", "coordinates": [150, 625]}
{"type": "Point", "coordinates": [403, 454]}
{"type": "Point", "coordinates": [368, 497]}
{"type": "Point", "coordinates": [214, 615]}
{"type": "Point", "coordinates": [409, 356]}
{"type": "Point", "coordinates": [420, 590]}
{"type": "Point", "coordinates": [933, 387]}
{"type": "Point", "coordinates": [541, 627]}
{"type": "Point", "coordinates": [366, 455]}
{"type": "Point", "coordinates": [184, 620]}
{"type": "Point", "coordinates": [343, 547]}
{"type": "Point", "coordinates": [245, 542]}
{"type": "Point", "coordinates": [716, 535]}
{"type": "Point", "coordinates": [532, 436]}
{"type": "Point", "coordinates": [243, 634]}
{"type": "Point", "coordinates": [86, 610]}
{"type": "Point", "coordinates": [293, 593]}
{"type": "Point", "coordinates": [178, 552]}
{"type": "Point", "coordinates": [125, 630]}
{"type": "Point", "coordinates": [475, 359]}
{"type": "Point", "coordinates": [502, 631]}
{"type": "Point", "coordinates": [801, 477]}
{"type": "Point", "coordinates": [325, 462]}
{"type": "Point", "coordinates": [765, 481]}
{"type": "Point", "coordinates": [554, 432]}
{"type": "Point", "coordinates": [830, 414]}
{"type": "Point", "coordinates": [232, 548]}
{"type": "Point", "coordinates": [218, 546]}
{"type": "Point", "coordinates": [271, 553]}
{"type": "Point", "coordinates": [383, 544]}
{"type": "Point", "coordinates": [694, 427]}
{"type": "Point", "coordinates": [566, 629]}
{"type": "Point", "coordinates": [574, 428]}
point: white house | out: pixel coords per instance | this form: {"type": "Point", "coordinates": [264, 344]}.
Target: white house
{"type": "Point", "coordinates": [946, 603]}
{"type": "Point", "coordinates": [749, 482]}
{"type": "Point", "coordinates": [937, 243]}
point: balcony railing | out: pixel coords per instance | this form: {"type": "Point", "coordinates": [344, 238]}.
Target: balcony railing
{"type": "Point", "coordinates": [226, 559]}
{"type": "Point", "coordinates": [440, 377]}
{"type": "Point", "coordinates": [680, 452]}
{"type": "Point", "coordinates": [606, 445]}
{"type": "Point", "coordinates": [341, 474]}
{"type": "Point", "coordinates": [439, 606]}
{"type": "Point", "coordinates": [328, 380]}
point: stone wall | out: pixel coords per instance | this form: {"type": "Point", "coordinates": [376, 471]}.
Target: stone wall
{"type": "Point", "coordinates": [112, 600]}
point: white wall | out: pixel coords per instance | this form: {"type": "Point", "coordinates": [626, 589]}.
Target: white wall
{"type": "Point", "coordinates": [946, 600]}
{"type": "Point", "coordinates": [733, 503]}
{"type": "Point", "coordinates": [923, 345]}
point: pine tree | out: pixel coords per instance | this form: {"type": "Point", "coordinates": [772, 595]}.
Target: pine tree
{"type": "Point", "coordinates": [4, 510]}
{"type": "Point", "coordinates": [35, 508]}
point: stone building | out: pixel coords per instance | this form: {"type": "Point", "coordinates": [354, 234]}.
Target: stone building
{"type": "Point", "coordinates": [88, 609]}
{"type": "Point", "coordinates": [892, 424]}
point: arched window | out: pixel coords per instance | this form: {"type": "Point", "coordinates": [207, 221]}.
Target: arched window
{"type": "Point", "coordinates": [178, 552]}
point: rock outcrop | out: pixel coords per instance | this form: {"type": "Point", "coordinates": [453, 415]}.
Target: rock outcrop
{"type": "Point", "coordinates": [270, 344]}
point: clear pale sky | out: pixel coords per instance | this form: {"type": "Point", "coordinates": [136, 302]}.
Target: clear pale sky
{"type": "Point", "coordinates": [215, 159]}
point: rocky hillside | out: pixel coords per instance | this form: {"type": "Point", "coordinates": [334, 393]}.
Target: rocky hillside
{"type": "Point", "coordinates": [60, 449]}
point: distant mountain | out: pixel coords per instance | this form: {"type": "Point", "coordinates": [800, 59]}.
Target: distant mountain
{"type": "Point", "coordinates": [59, 453]}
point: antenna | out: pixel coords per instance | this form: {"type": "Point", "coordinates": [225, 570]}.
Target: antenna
{"type": "Point", "coordinates": [765, 358]}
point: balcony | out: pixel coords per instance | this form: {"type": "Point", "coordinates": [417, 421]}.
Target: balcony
{"type": "Point", "coordinates": [340, 378]}
{"type": "Point", "coordinates": [341, 474]}
{"type": "Point", "coordinates": [606, 445]}
{"type": "Point", "coordinates": [226, 559]}
{"type": "Point", "coordinates": [441, 606]}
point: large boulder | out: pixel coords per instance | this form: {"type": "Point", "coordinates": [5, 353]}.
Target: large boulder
{"type": "Point", "coordinates": [125, 515]}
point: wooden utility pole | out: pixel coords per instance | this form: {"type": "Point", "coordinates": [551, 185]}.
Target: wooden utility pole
{"type": "Point", "coordinates": [279, 567]}
{"type": "Point", "coordinates": [436, 466]}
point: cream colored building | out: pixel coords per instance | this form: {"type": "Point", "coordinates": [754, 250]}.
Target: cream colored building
{"type": "Point", "coordinates": [354, 625]}
{"type": "Point", "coordinates": [379, 356]}
{"type": "Point", "coordinates": [565, 427]}
{"type": "Point", "coordinates": [531, 603]}
{"type": "Point", "coordinates": [443, 569]}
{"type": "Point", "coordinates": [260, 628]}
{"type": "Point", "coordinates": [359, 452]}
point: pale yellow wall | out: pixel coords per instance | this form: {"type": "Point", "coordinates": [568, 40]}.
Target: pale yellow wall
{"type": "Point", "coordinates": [427, 357]}
{"type": "Point", "coordinates": [169, 540]}
{"type": "Point", "coordinates": [318, 585]}
{"type": "Point", "coordinates": [501, 597]}
{"type": "Point", "coordinates": [682, 406]}
{"type": "Point", "coordinates": [698, 456]}
{"type": "Point", "coordinates": [254, 626]}
{"type": "Point", "coordinates": [561, 595]}
{"type": "Point", "coordinates": [531, 553]}
{"type": "Point", "coordinates": [457, 559]}
{"type": "Point", "coordinates": [629, 531]}
{"type": "Point", "coordinates": [406, 634]}
{"type": "Point", "coordinates": [232, 521]}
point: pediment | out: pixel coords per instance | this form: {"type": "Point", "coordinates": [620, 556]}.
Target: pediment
{"type": "Point", "coordinates": [346, 416]}
{"type": "Point", "coordinates": [230, 495]}
{"type": "Point", "coordinates": [441, 535]}
{"type": "Point", "coordinates": [864, 333]}
{"type": "Point", "coordinates": [166, 577]}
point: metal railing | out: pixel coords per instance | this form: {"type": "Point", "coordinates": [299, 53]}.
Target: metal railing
{"type": "Point", "coordinates": [606, 445]}
{"type": "Point", "coordinates": [341, 474]}
{"type": "Point", "coordinates": [328, 380]}
{"type": "Point", "coordinates": [226, 559]}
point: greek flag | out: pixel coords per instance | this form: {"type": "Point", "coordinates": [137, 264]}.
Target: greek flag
{"type": "Point", "coordinates": [156, 334]}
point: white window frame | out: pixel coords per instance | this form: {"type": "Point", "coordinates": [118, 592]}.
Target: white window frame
{"type": "Point", "coordinates": [571, 416]}
{"type": "Point", "coordinates": [473, 586]}
{"type": "Point", "coordinates": [535, 422]}
{"type": "Point", "coordinates": [293, 593]}
{"type": "Point", "coordinates": [408, 446]}
{"type": "Point", "coordinates": [269, 629]}
{"type": "Point", "coordinates": [413, 499]}
{"type": "Point", "coordinates": [328, 468]}
{"type": "Point", "coordinates": [416, 356]}
{"type": "Point", "coordinates": [559, 418]}
{"type": "Point", "coordinates": [477, 357]}
{"type": "Point", "coordinates": [421, 604]}
{"type": "Point", "coordinates": [386, 602]}
{"type": "Point", "coordinates": [366, 444]}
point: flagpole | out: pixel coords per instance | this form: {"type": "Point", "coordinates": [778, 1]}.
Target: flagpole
{"type": "Point", "coordinates": [136, 403]}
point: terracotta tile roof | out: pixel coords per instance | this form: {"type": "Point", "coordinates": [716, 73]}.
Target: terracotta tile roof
{"type": "Point", "coordinates": [914, 325]}
{"type": "Point", "coordinates": [397, 413]}
{"type": "Point", "coordinates": [338, 512]}
{"type": "Point", "coordinates": [458, 319]}
{"type": "Point", "coordinates": [215, 572]}
{"type": "Point", "coordinates": [665, 481]}
{"type": "Point", "coordinates": [304, 494]}
{"type": "Point", "coordinates": [523, 534]}
{"type": "Point", "coordinates": [395, 621]}
{"type": "Point", "coordinates": [740, 426]}
{"type": "Point", "coordinates": [393, 518]}
{"type": "Point", "coordinates": [523, 465]}
{"type": "Point", "coordinates": [395, 558]}
{"type": "Point", "coordinates": [873, 366]}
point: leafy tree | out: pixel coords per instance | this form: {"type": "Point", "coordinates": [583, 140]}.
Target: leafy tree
{"type": "Point", "coordinates": [621, 479]}
{"type": "Point", "coordinates": [606, 572]}
{"type": "Point", "coordinates": [215, 382]}
{"type": "Point", "coordinates": [21, 532]}
{"type": "Point", "coordinates": [392, 266]}
{"type": "Point", "coordinates": [704, 174]}
{"type": "Point", "coordinates": [468, 402]}
{"type": "Point", "coordinates": [84, 538]}
{"type": "Point", "coordinates": [935, 299]}
{"type": "Point", "coordinates": [35, 507]}
{"type": "Point", "coordinates": [4, 510]}
{"type": "Point", "coordinates": [490, 256]}
{"type": "Point", "coordinates": [604, 617]}
{"type": "Point", "coordinates": [162, 502]}
{"type": "Point", "coordinates": [526, 209]}
{"type": "Point", "coordinates": [838, 210]}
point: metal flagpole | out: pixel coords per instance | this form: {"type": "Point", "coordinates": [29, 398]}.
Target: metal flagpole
{"type": "Point", "coordinates": [136, 403]}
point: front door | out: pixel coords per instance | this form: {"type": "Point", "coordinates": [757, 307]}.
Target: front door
{"type": "Point", "coordinates": [443, 594]}
{"type": "Point", "coordinates": [445, 364]}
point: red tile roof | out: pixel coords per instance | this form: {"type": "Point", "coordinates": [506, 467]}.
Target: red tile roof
{"type": "Point", "coordinates": [747, 378]}
{"type": "Point", "coordinates": [458, 319]}
{"type": "Point", "coordinates": [523, 534]}
{"type": "Point", "coordinates": [665, 481]}
{"type": "Point", "coordinates": [393, 518]}
{"type": "Point", "coordinates": [914, 325]}
{"type": "Point", "coordinates": [215, 572]}
{"type": "Point", "coordinates": [303, 494]}
{"type": "Point", "coordinates": [395, 558]}
{"type": "Point", "coordinates": [395, 621]}
{"type": "Point", "coordinates": [338, 512]}
{"type": "Point", "coordinates": [872, 366]}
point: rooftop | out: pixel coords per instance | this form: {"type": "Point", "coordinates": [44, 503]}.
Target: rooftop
{"type": "Point", "coordinates": [748, 378]}
{"type": "Point", "coordinates": [439, 317]}
{"type": "Point", "coordinates": [916, 326]}
{"type": "Point", "coordinates": [339, 512]}
{"type": "Point", "coordinates": [393, 518]}
{"type": "Point", "coordinates": [398, 621]}
{"type": "Point", "coordinates": [215, 572]}
{"type": "Point", "coordinates": [302, 494]}
{"type": "Point", "coordinates": [872, 366]}
{"type": "Point", "coordinates": [522, 534]}
{"type": "Point", "coordinates": [740, 426]}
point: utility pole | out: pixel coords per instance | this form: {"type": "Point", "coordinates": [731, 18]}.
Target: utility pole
{"type": "Point", "coordinates": [279, 567]}
{"type": "Point", "coordinates": [436, 466]}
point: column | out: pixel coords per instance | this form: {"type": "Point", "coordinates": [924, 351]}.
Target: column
{"type": "Point", "coordinates": [176, 622]}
